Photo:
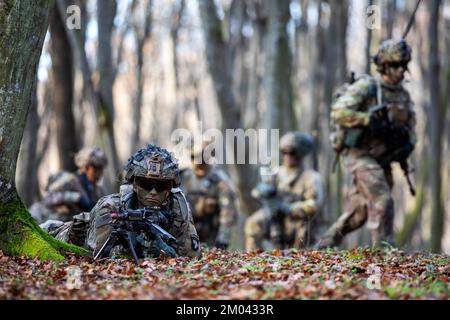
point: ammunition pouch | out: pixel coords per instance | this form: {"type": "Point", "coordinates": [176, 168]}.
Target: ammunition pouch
{"type": "Point", "coordinates": [342, 138]}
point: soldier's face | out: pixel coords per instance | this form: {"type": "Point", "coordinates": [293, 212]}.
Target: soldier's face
{"type": "Point", "coordinates": [200, 170]}
{"type": "Point", "coordinates": [93, 174]}
{"type": "Point", "coordinates": [151, 192]}
{"type": "Point", "coordinates": [394, 73]}
{"type": "Point", "coordinates": [290, 159]}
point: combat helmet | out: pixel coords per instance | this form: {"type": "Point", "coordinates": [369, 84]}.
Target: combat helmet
{"type": "Point", "coordinates": [152, 162]}
{"type": "Point", "coordinates": [91, 156]}
{"type": "Point", "coordinates": [392, 51]}
{"type": "Point", "coordinates": [298, 142]}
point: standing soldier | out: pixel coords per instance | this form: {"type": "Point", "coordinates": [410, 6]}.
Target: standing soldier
{"type": "Point", "coordinates": [291, 206]}
{"type": "Point", "coordinates": [71, 193]}
{"type": "Point", "coordinates": [375, 122]}
{"type": "Point", "coordinates": [149, 193]}
{"type": "Point", "coordinates": [211, 196]}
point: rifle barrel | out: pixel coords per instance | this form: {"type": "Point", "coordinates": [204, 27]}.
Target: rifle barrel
{"type": "Point", "coordinates": [411, 20]}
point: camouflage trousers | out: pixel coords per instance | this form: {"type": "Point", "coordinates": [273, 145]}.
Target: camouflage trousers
{"type": "Point", "coordinates": [294, 233]}
{"type": "Point", "coordinates": [72, 232]}
{"type": "Point", "coordinates": [367, 199]}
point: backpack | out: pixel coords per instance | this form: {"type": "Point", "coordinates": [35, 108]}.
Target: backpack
{"type": "Point", "coordinates": [342, 137]}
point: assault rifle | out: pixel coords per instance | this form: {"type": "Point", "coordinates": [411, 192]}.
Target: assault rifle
{"type": "Point", "coordinates": [129, 224]}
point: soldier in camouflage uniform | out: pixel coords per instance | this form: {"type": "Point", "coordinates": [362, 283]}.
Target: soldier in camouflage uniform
{"type": "Point", "coordinates": [151, 179]}
{"type": "Point", "coordinates": [71, 193]}
{"type": "Point", "coordinates": [296, 205]}
{"type": "Point", "coordinates": [376, 122]}
{"type": "Point", "coordinates": [211, 196]}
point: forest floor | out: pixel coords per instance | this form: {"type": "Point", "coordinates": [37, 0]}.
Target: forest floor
{"type": "Point", "coordinates": [355, 274]}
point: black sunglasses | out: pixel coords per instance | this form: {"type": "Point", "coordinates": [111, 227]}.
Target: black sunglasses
{"type": "Point", "coordinates": [289, 153]}
{"type": "Point", "coordinates": [397, 65]}
{"type": "Point", "coordinates": [150, 184]}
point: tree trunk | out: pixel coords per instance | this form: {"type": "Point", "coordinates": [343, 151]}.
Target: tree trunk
{"type": "Point", "coordinates": [437, 219]}
{"type": "Point", "coordinates": [141, 35]}
{"type": "Point", "coordinates": [23, 25]}
{"type": "Point", "coordinates": [412, 219]}
{"type": "Point", "coordinates": [278, 85]}
{"type": "Point", "coordinates": [178, 9]}
{"type": "Point", "coordinates": [100, 109]}
{"type": "Point", "coordinates": [369, 43]}
{"type": "Point", "coordinates": [106, 11]}
{"type": "Point", "coordinates": [251, 114]}
{"type": "Point", "coordinates": [316, 80]}
{"type": "Point", "coordinates": [27, 165]}
{"type": "Point", "coordinates": [391, 10]}
{"type": "Point", "coordinates": [219, 66]}
{"type": "Point", "coordinates": [62, 64]}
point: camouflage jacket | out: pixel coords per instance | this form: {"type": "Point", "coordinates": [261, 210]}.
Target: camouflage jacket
{"type": "Point", "coordinates": [212, 201]}
{"type": "Point", "coordinates": [181, 224]}
{"type": "Point", "coordinates": [352, 110]}
{"type": "Point", "coordinates": [63, 199]}
{"type": "Point", "coordinates": [302, 190]}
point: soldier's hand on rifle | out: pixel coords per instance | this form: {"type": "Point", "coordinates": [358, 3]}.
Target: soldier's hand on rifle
{"type": "Point", "coordinates": [115, 217]}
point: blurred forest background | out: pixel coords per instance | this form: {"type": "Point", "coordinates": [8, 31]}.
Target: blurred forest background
{"type": "Point", "coordinates": [138, 69]}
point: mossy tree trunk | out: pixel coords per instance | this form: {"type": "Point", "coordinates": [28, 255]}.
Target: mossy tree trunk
{"type": "Point", "coordinates": [22, 30]}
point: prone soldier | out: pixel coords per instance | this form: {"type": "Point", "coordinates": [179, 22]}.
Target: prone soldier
{"type": "Point", "coordinates": [69, 193]}
{"type": "Point", "coordinates": [150, 216]}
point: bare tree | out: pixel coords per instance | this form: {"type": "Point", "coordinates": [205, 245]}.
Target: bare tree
{"type": "Point", "coordinates": [369, 43]}
{"type": "Point", "coordinates": [437, 221]}
{"type": "Point", "coordinates": [99, 107]}
{"type": "Point", "coordinates": [23, 25]}
{"type": "Point", "coordinates": [278, 84]}
{"type": "Point", "coordinates": [27, 165]}
{"type": "Point", "coordinates": [391, 9]}
{"type": "Point", "coordinates": [219, 66]}
{"type": "Point", "coordinates": [106, 11]}
{"type": "Point", "coordinates": [142, 33]}
{"type": "Point", "coordinates": [178, 9]}
{"type": "Point", "coordinates": [62, 64]}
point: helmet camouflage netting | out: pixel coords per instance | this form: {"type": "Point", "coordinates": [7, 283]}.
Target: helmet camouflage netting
{"type": "Point", "coordinates": [299, 142]}
{"type": "Point", "coordinates": [91, 156]}
{"type": "Point", "coordinates": [393, 51]}
{"type": "Point", "coordinates": [152, 162]}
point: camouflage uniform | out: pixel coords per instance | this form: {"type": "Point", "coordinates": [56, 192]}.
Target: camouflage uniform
{"type": "Point", "coordinates": [70, 193]}
{"type": "Point", "coordinates": [300, 193]}
{"type": "Point", "coordinates": [368, 198]}
{"type": "Point", "coordinates": [212, 202]}
{"type": "Point", "coordinates": [93, 229]}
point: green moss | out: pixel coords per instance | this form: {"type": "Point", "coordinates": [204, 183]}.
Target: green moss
{"type": "Point", "coordinates": [20, 234]}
